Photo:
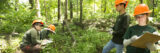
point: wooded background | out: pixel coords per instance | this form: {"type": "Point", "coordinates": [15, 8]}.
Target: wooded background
{"type": "Point", "coordinates": [82, 26]}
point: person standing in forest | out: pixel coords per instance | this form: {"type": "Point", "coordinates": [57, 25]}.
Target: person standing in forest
{"type": "Point", "coordinates": [141, 14]}
{"type": "Point", "coordinates": [119, 28]}
{"type": "Point", "coordinates": [31, 42]}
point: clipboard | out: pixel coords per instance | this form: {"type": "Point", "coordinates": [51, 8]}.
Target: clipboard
{"type": "Point", "coordinates": [146, 38]}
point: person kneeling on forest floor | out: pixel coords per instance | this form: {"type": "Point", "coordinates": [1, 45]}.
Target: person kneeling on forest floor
{"type": "Point", "coordinates": [45, 34]}
{"type": "Point", "coordinates": [31, 42]}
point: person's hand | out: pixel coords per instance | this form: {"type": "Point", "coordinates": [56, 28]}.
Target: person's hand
{"type": "Point", "coordinates": [151, 46]}
{"type": "Point", "coordinates": [134, 38]}
{"type": "Point", "coordinates": [110, 31]}
{"type": "Point", "coordinates": [44, 40]}
{"type": "Point", "coordinates": [127, 42]}
{"type": "Point", "coordinates": [156, 33]}
{"type": "Point", "coordinates": [38, 46]}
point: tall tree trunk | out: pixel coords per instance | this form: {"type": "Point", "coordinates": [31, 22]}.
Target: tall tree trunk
{"type": "Point", "coordinates": [32, 3]}
{"type": "Point", "coordinates": [94, 6]}
{"type": "Point", "coordinates": [141, 1]}
{"type": "Point", "coordinates": [77, 8]}
{"type": "Point", "coordinates": [38, 9]}
{"type": "Point", "coordinates": [65, 15]}
{"type": "Point", "coordinates": [105, 6]}
{"type": "Point", "coordinates": [101, 7]}
{"type": "Point", "coordinates": [65, 23]}
{"type": "Point", "coordinates": [153, 8]}
{"type": "Point", "coordinates": [16, 5]}
{"type": "Point", "coordinates": [71, 12]}
{"type": "Point", "coordinates": [105, 2]}
{"type": "Point", "coordinates": [66, 7]}
{"type": "Point", "coordinates": [45, 10]}
{"type": "Point", "coordinates": [59, 9]}
{"type": "Point", "coordinates": [151, 5]}
{"type": "Point", "coordinates": [81, 12]}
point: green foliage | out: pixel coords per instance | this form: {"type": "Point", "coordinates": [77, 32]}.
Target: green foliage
{"type": "Point", "coordinates": [90, 41]}
{"type": "Point", "coordinates": [21, 20]}
{"type": "Point", "coordinates": [13, 47]}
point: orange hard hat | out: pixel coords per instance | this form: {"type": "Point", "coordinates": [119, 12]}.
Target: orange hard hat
{"type": "Point", "coordinates": [37, 21]}
{"type": "Point", "coordinates": [141, 9]}
{"type": "Point", "coordinates": [52, 27]}
{"type": "Point", "coordinates": [117, 2]}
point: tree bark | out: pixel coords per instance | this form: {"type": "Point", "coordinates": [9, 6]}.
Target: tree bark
{"type": "Point", "coordinates": [105, 6]}
{"type": "Point", "coordinates": [16, 5]}
{"type": "Point", "coordinates": [153, 8]}
{"type": "Point", "coordinates": [141, 1]}
{"type": "Point", "coordinates": [81, 12]}
{"type": "Point", "coordinates": [66, 7]}
{"type": "Point", "coordinates": [71, 12]}
{"type": "Point", "coordinates": [59, 9]}
{"type": "Point", "coordinates": [77, 8]}
{"type": "Point", "coordinates": [65, 15]}
{"type": "Point", "coordinates": [32, 4]}
{"type": "Point", "coordinates": [38, 9]}
{"type": "Point", "coordinates": [45, 10]}
{"type": "Point", "coordinates": [101, 7]}
{"type": "Point", "coordinates": [94, 6]}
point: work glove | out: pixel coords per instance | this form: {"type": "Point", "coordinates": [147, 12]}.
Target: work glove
{"type": "Point", "coordinates": [127, 42]}
{"type": "Point", "coordinates": [134, 38]}
{"type": "Point", "coordinates": [110, 31]}
{"type": "Point", "coordinates": [156, 33]}
{"type": "Point", "coordinates": [151, 46]}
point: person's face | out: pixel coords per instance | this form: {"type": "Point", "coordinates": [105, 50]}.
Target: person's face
{"type": "Point", "coordinates": [142, 19]}
{"type": "Point", "coordinates": [51, 31]}
{"type": "Point", "coordinates": [38, 27]}
{"type": "Point", "coordinates": [119, 7]}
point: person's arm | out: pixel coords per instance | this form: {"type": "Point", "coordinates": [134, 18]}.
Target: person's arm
{"type": "Point", "coordinates": [128, 38]}
{"type": "Point", "coordinates": [34, 37]}
{"type": "Point", "coordinates": [44, 33]}
{"type": "Point", "coordinates": [127, 42]}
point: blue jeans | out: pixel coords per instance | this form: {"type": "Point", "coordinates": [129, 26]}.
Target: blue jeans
{"type": "Point", "coordinates": [110, 45]}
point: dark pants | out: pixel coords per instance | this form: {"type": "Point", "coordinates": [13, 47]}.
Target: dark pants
{"type": "Point", "coordinates": [31, 49]}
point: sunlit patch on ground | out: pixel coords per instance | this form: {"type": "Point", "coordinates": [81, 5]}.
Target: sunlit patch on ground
{"type": "Point", "coordinates": [12, 48]}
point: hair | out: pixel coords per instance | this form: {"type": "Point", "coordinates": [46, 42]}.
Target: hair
{"type": "Point", "coordinates": [147, 21]}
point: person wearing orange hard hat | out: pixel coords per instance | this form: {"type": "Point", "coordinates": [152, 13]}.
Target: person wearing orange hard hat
{"type": "Point", "coordinates": [46, 31]}
{"type": "Point", "coordinates": [44, 35]}
{"type": "Point", "coordinates": [31, 42]}
{"type": "Point", "coordinates": [141, 14]}
{"type": "Point", "coordinates": [119, 28]}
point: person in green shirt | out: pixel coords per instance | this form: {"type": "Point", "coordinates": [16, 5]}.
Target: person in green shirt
{"type": "Point", "coordinates": [45, 33]}
{"type": "Point", "coordinates": [119, 28]}
{"type": "Point", "coordinates": [31, 42]}
{"type": "Point", "coordinates": [141, 13]}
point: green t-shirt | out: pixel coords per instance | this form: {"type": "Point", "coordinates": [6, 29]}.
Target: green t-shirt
{"type": "Point", "coordinates": [31, 37]}
{"type": "Point", "coordinates": [137, 30]}
{"type": "Point", "coordinates": [45, 34]}
{"type": "Point", "coordinates": [120, 27]}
